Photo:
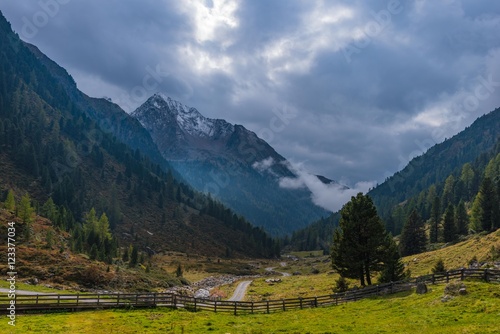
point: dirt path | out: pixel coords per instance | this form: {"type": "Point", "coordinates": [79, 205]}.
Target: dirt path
{"type": "Point", "coordinates": [240, 291]}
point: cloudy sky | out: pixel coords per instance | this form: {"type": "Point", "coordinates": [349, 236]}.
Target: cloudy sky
{"type": "Point", "coordinates": [348, 89]}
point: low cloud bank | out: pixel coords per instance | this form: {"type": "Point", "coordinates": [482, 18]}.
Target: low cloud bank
{"type": "Point", "coordinates": [328, 196]}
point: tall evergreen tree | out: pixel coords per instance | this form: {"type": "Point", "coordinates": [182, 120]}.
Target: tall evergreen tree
{"type": "Point", "coordinates": [413, 239]}
{"type": "Point", "coordinates": [359, 242]}
{"type": "Point", "coordinates": [134, 257]}
{"type": "Point", "coordinates": [394, 269]}
{"type": "Point", "coordinates": [449, 230]}
{"type": "Point", "coordinates": [461, 219]}
{"type": "Point", "coordinates": [435, 219]}
{"type": "Point", "coordinates": [489, 205]}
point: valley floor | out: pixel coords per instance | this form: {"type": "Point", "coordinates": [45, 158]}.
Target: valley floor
{"type": "Point", "coordinates": [476, 312]}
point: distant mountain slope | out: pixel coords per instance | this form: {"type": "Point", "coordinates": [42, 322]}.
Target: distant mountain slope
{"type": "Point", "coordinates": [109, 116]}
{"type": "Point", "coordinates": [51, 146]}
{"type": "Point", "coordinates": [438, 163]}
{"type": "Point", "coordinates": [436, 173]}
{"type": "Point", "coordinates": [230, 162]}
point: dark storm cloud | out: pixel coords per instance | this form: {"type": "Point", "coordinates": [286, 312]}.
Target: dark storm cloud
{"type": "Point", "coordinates": [371, 83]}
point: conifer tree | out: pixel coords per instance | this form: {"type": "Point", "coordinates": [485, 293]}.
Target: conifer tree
{"type": "Point", "coordinates": [413, 239]}
{"type": "Point", "coordinates": [134, 257]}
{"type": "Point", "coordinates": [394, 269]}
{"type": "Point", "coordinates": [461, 219]}
{"type": "Point", "coordinates": [435, 219]}
{"type": "Point", "coordinates": [10, 202]}
{"type": "Point", "coordinates": [359, 241]}
{"type": "Point", "coordinates": [25, 209]}
{"type": "Point", "coordinates": [449, 230]}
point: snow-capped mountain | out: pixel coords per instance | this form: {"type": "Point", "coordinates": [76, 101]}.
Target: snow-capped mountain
{"type": "Point", "coordinates": [230, 162]}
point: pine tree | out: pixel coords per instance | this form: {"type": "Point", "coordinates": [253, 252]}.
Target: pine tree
{"type": "Point", "coordinates": [10, 202]}
{"type": "Point", "coordinates": [134, 257]}
{"type": "Point", "coordinates": [93, 252]}
{"type": "Point", "coordinates": [461, 219]}
{"type": "Point", "coordinates": [125, 256]}
{"type": "Point", "coordinates": [413, 239]}
{"type": "Point", "coordinates": [449, 230]}
{"type": "Point", "coordinates": [394, 269]}
{"type": "Point", "coordinates": [490, 214]}
{"type": "Point", "coordinates": [439, 267]}
{"type": "Point", "coordinates": [178, 271]}
{"type": "Point", "coordinates": [49, 210]}
{"type": "Point", "coordinates": [359, 241]}
{"type": "Point", "coordinates": [435, 218]}
{"type": "Point", "coordinates": [476, 213]}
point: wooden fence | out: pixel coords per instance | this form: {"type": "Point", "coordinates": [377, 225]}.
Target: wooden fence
{"type": "Point", "coordinates": [53, 302]}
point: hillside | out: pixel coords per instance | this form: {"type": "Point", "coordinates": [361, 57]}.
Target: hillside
{"type": "Point", "coordinates": [52, 148]}
{"type": "Point", "coordinates": [449, 173]}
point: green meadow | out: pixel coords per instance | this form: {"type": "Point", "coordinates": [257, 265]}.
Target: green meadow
{"type": "Point", "coordinates": [476, 312]}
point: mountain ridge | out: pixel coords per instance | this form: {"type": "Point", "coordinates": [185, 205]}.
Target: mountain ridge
{"type": "Point", "coordinates": [230, 162]}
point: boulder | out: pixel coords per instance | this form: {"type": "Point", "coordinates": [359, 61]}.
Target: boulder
{"type": "Point", "coordinates": [202, 293]}
{"type": "Point", "coordinates": [421, 288]}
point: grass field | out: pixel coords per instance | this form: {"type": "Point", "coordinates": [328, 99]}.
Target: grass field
{"type": "Point", "coordinates": [476, 312]}
{"type": "Point", "coordinates": [455, 256]}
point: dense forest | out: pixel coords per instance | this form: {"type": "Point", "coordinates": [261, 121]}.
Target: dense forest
{"type": "Point", "coordinates": [454, 189]}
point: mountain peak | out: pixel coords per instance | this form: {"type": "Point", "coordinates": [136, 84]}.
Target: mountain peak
{"type": "Point", "coordinates": [160, 109]}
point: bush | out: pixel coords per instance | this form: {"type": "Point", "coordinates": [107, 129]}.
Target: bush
{"type": "Point", "coordinates": [439, 267]}
{"type": "Point", "coordinates": [341, 285]}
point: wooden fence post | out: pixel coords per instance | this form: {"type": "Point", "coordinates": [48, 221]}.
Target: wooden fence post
{"type": "Point", "coordinates": [154, 301]}
{"type": "Point", "coordinates": [447, 277]}
{"type": "Point", "coordinates": [77, 298]}
{"type": "Point", "coordinates": [251, 310]}
{"type": "Point", "coordinates": [98, 297]}
{"type": "Point", "coordinates": [486, 278]}
{"type": "Point", "coordinates": [37, 298]}
{"type": "Point", "coordinates": [195, 304]}
{"type": "Point", "coordinates": [215, 306]}
{"type": "Point", "coordinates": [284, 305]}
{"type": "Point", "coordinates": [300, 300]}
{"type": "Point", "coordinates": [268, 307]}
{"type": "Point", "coordinates": [462, 274]}
{"type": "Point", "coordinates": [315, 301]}
{"type": "Point", "coordinates": [118, 300]}
{"type": "Point", "coordinates": [175, 301]}
{"type": "Point", "coordinates": [58, 299]}
{"type": "Point", "coordinates": [235, 307]}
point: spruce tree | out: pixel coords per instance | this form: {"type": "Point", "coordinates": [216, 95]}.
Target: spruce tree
{"type": "Point", "coordinates": [413, 239]}
{"type": "Point", "coordinates": [449, 230]}
{"type": "Point", "coordinates": [435, 218]}
{"type": "Point", "coordinates": [359, 243]}
{"type": "Point", "coordinates": [134, 257]}
{"type": "Point", "coordinates": [489, 206]}
{"type": "Point", "coordinates": [394, 269]}
{"type": "Point", "coordinates": [461, 219]}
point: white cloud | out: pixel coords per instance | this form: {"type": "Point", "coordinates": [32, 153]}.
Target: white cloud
{"type": "Point", "coordinates": [263, 165]}
{"type": "Point", "coordinates": [328, 196]}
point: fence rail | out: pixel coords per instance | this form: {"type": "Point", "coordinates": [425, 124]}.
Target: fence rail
{"type": "Point", "coordinates": [53, 302]}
